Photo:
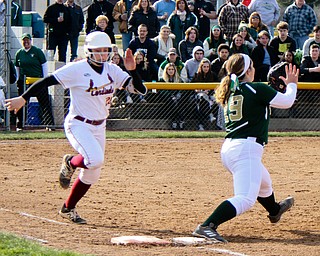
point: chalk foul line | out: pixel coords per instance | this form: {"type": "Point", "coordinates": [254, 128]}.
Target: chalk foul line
{"type": "Point", "coordinates": [223, 251]}
{"type": "Point", "coordinates": [33, 216]}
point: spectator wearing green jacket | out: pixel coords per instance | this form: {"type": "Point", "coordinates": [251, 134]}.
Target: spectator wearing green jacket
{"type": "Point", "coordinates": [174, 58]}
{"type": "Point", "coordinates": [180, 20]}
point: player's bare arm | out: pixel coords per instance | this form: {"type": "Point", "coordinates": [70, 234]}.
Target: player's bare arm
{"type": "Point", "coordinates": [14, 104]}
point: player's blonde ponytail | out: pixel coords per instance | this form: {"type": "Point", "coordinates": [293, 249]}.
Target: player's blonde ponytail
{"type": "Point", "coordinates": [235, 65]}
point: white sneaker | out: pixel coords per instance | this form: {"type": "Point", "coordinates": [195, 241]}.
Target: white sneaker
{"type": "Point", "coordinates": [71, 215]}
{"type": "Point", "coordinates": [211, 118]}
{"type": "Point", "coordinates": [201, 128]}
{"type": "Point", "coordinates": [174, 125]}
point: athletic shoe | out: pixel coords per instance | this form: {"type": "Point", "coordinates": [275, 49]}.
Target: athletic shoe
{"type": "Point", "coordinates": [181, 125]}
{"type": "Point", "coordinates": [208, 233]}
{"type": "Point", "coordinates": [211, 118]}
{"type": "Point", "coordinates": [66, 172]}
{"type": "Point", "coordinates": [201, 127]}
{"type": "Point", "coordinates": [19, 129]}
{"type": "Point", "coordinates": [50, 129]}
{"type": "Point", "coordinates": [71, 215]}
{"type": "Point", "coordinates": [174, 125]}
{"type": "Point", "coordinates": [129, 100]}
{"type": "Point", "coordinates": [285, 205]}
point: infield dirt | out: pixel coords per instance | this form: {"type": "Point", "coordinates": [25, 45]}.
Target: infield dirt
{"type": "Point", "coordinates": [164, 188]}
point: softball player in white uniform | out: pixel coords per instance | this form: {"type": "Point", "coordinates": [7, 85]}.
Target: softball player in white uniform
{"type": "Point", "coordinates": [92, 83]}
{"type": "Point", "coordinates": [247, 112]}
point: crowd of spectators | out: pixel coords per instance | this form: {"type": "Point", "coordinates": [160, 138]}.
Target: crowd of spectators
{"type": "Point", "coordinates": [173, 41]}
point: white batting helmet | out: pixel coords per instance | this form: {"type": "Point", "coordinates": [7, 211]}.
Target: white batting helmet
{"type": "Point", "coordinates": [96, 40]}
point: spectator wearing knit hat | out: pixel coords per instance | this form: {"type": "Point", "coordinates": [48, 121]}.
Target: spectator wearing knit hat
{"type": "Point", "coordinates": [211, 43]}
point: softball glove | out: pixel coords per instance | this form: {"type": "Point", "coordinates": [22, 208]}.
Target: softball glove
{"type": "Point", "coordinates": [273, 77]}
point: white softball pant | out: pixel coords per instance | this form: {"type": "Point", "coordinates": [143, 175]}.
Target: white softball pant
{"type": "Point", "coordinates": [89, 141]}
{"type": "Point", "coordinates": [242, 157]}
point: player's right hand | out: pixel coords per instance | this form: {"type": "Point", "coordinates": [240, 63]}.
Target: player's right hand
{"type": "Point", "coordinates": [14, 104]}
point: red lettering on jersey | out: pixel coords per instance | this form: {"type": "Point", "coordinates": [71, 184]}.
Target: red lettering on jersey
{"type": "Point", "coordinates": [102, 92]}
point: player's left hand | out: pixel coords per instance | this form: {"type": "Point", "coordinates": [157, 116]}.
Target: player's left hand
{"type": "Point", "coordinates": [129, 61]}
{"type": "Point", "coordinates": [15, 104]}
{"type": "Point", "coordinates": [292, 74]}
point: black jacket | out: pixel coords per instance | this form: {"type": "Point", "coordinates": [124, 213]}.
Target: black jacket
{"type": "Point", "coordinates": [258, 53]}
{"type": "Point", "coordinates": [216, 66]}
{"type": "Point", "coordinates": [99, 8]}
{"type": "Point", "coordinates": [306, 76]}
{"type": "Point", "coordinates": [51, 18]}
{"type": "Point", "coordinates": [150, 20]}
{"type": "Point", "coordinates": [77, 19]}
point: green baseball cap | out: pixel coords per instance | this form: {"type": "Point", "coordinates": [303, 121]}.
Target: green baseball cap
{"type": "Point", "coordinates": [26, 35]}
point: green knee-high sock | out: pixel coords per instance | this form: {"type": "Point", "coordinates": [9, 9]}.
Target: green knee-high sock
{"type": "Point", "coordinates": [270, 204]}
{"type": "Point", "coordinates": [224, 212]}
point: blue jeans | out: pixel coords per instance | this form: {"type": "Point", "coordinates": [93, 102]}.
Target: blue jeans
{"type": "Point", "coordinates": [299, 40]}
{"type": "Point", "coordinates": [74, 47]}
{"type": "Point", "coordinates": [126, 38]}
{"type": "Point", "coordinates": [271, 31]}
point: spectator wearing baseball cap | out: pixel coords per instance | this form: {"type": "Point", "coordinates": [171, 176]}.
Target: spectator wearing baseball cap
{"type": "Point", "coordinates": [173, 57]}
{"type": "Point", "coordinates": [26, 35]}
{"type": "Point", "coordinates": [30, 61]}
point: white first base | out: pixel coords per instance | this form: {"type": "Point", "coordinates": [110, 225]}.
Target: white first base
{"type": "Point", "coordinates": [190, 240]}
{"type": "Point", "coordinates": [125, 240]}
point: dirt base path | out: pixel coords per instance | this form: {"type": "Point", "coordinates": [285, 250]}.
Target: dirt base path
{"type": "Point", "coordinates": [162, 188]}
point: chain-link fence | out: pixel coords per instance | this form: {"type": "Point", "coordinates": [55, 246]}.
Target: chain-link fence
{"type": "Point", "coordinates": [180, 108]}
{"type": "Point", "coordinates": [197, 110]}
{"type": "Point", "coordinates": [4, 18]}
{"type": "Point", "coordinates": [176, 110]}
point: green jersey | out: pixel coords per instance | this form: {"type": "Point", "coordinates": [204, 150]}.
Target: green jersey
{"type": "Point", "coordinates": [247, 113]}
{"type": "Point", "coordinates": [30, 62]}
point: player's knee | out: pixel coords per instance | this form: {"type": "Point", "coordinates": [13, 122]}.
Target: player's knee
{"type": "Point", "coordinates": [242, 203]}
{"type": "Point", "coordinates": [89, 177]}
{"type": "Point", "coordinates": [96, 162]}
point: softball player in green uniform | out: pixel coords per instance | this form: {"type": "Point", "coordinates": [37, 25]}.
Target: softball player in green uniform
{"type": "Point", "coordinates": [247, 112]}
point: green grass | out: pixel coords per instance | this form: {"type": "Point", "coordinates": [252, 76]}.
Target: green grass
{"type": "Point", "coordinates": [33, 135]}
{"type": "Point", "coordinates": [13, 245]}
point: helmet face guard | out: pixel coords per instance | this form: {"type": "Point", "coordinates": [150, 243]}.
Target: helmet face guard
{"type": "Point", "coordinates": [97, 57]}
{"type": "Point", "coordinates": [97, 40]}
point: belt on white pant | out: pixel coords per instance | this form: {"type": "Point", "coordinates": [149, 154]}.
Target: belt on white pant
{"type": "Point", "coordinates": [255, 139]}
{"type": "Point", "coordinates": [88, 121]}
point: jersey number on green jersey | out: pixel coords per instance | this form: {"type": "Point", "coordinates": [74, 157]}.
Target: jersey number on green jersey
{"type": "Point", "coordinates": [235, 109]}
